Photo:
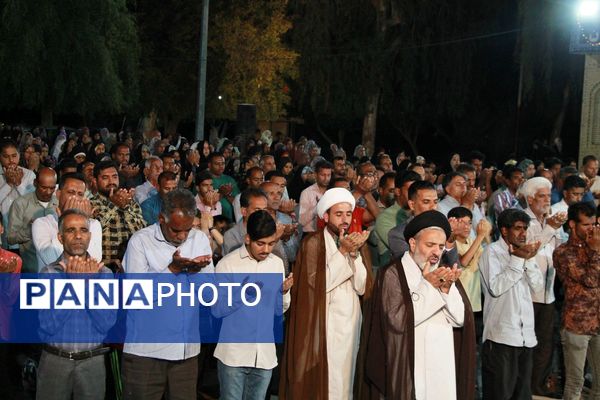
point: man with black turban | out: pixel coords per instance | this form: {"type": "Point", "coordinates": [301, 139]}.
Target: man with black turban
{"type": "Point", "coordinates": [422, 338]}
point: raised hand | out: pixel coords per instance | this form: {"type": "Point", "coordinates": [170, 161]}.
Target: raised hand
{"type": "Point", "coordinates": [484, 228]}
{"type": "Point", "coordinates": [226, 189]}
{"type": "Point", "coordinates": [557, 220]}
{"type": "Point", "coordinates": [439, 277]}
{"type": "Point", "coordinates": [287, 206]}
{"type": "Point", "coordinates": [288, 283]}
{"type": "Point", "coordinates": [120, 197]}
{"type": "Point", "coordinates": [81, 265]}
{"type": "Point", "coordinates": [593, 239]}
{"type": "Point", "coordinates": [526, 251]}
{"type": "Point", "coordinates": [352, 242]}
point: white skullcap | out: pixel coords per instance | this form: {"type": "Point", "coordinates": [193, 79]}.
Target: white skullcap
{"type": "Point", "coordinates": [333, 197]}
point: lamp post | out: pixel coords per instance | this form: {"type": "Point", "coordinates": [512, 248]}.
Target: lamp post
{"type": "Point", "coordinates": [199, 134]}
{"type": "Point", "coordinates": [585, 39]}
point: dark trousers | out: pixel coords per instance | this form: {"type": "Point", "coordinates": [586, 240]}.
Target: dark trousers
{"type": "Point", "coordinates": [542, 353]}
{"type": "Point", "coordinates": [506, 372]}
{"type": "Point", "coordinates": [146, 378]}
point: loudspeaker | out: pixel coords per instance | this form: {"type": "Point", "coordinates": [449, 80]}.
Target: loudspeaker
{"type": "Point", "coordinates": [246, 119]}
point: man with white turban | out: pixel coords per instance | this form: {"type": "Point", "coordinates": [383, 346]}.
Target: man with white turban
{"type": "Point", "coordinates": [325, 320]}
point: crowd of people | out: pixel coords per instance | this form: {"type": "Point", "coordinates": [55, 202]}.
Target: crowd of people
{"type": "Point", "coordinates": [402, 277]}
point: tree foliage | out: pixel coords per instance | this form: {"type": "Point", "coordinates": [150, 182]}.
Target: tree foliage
{"type": "Point", "coordinates": [75, 56]}
{"type": "Point", "coordinates": [248, 53]}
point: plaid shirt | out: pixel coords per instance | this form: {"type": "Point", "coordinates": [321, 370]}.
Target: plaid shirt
{"type": "Point", "coordinates": [578, 267]}
{"type": "Point", "coordinates": [118, 224]}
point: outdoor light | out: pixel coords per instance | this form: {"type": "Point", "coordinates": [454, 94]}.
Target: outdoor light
{"type": "Point", "coordinates": [588, 9]}
{"type": "Point", "coordinates": [220, 97]}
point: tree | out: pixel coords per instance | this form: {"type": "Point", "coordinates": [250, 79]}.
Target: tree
{"type": "Point", "coordinates": [68, 56]}
{"type": "Point", "coordinates": [246, 42]}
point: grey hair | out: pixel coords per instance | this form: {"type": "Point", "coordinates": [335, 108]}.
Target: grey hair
{"type": "Point", "coordinates": [179, 199]}
{"type": "Point", "coordinates": [532, 185]}
{"type": "Point", "coordinates": [149, 160]}
{"type": "Point", "coordinates": [71, 211]}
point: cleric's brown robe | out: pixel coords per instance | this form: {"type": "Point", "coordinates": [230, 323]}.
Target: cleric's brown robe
{"type": "Point", "coordinates": [391, 344]}
{"type": "Point", "coordinates": [304, 365]}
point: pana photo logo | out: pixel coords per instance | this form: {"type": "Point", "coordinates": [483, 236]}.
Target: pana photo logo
{"type": "Point", "coordinates": [133, 294]}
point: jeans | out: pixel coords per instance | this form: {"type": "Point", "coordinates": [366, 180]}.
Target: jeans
{"type": "Point", "coordinates": [575, 348]}
{"type": "Point", "coordinates": [243, 383]}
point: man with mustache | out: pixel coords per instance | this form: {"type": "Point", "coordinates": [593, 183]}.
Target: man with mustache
{"type": "Point", "coordinates": [545, 229]}
{"type": "Point", "coordinates": [171, 246]}
{"type": "Point", "coordinates": [578, 265]}
{"type": "Point", "coordinates": [119, 215]}
{"type": "Point", "coordinates": [15, 181]}
{"type": "Point", "coordinates": [509, 275]}
{"type": "Point", "coordinates": [71, 369]}
{"type": "Point", "coordinates": [422, 341]}
{"type": "Point", "coordinates": [325, 321]}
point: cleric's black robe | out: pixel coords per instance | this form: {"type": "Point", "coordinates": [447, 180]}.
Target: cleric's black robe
{"type": "Point", "coordinates": [390, 353]}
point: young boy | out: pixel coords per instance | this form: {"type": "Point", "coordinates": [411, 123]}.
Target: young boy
{"type": "Point", "coordinates": [469, 251]}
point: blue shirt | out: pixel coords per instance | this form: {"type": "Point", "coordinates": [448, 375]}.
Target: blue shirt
{"type": "Point", "coordinates": [151, 207]}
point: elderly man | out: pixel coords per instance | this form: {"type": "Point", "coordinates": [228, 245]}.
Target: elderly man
{"type": "Point", "coordinates": [509, 275]}
{"type": "Point", "coordinates": [414, 350]}
{"type": "Point", "coordinates": [153, 370]}
{"type": "Point", "coordinates": [15, 181]}
{"type": "Point", "coordinates": [153, 167]}
{"type": "Point", "coordinates": [25, 210]}
{"type": "Point", "coordinates": [70, 195]}
{"type": "Point", "coordinates": [545, 229]}
{"type": "Point", "coordinates": [73, 370]}
{"type": "Point", "coordinates": [325, 320]}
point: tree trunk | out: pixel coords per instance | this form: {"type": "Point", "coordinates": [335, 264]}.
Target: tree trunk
{"type": "Point", "coordinates": [46, 117]}
{"type": "Point", "coordinates": [370, 122]}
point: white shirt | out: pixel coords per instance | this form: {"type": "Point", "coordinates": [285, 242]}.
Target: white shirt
{"type": "Point", "coordinates": [8, 194]}
{"type": "Point", "coordinates": [550, 239]}
{"type": "Point", "coordinates": [48, 248]}
{"type": "Point", "coordinates": [143, 191]}
{"type": "Point", "coordinates": [561, 206]}
{"type": "Point", "coordinates": [149, 252]}
{"type": "Point", "coordinates": [256, 355]}
{"type": "Point", "coordinates": [507, 283]}
{"type": "Point", "coordinates": [435, 313]}
{"type": "Point", "coordinates": [308, 207]}
{"type": "Point", "coordinates": [237, 208]}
